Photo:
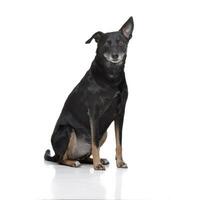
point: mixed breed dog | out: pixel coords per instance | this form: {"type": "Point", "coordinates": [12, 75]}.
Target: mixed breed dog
{"type": "Point", "coordinates": [97, 101]}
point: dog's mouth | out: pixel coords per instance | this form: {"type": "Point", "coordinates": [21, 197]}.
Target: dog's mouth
{"type": "Point", "coordinates": [117, 60]}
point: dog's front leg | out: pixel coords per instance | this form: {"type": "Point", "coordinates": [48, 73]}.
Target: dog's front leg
{"type": "Point", "coordinates": [118, 136]}
{"type": "Point", "coordinates": [94, 126]}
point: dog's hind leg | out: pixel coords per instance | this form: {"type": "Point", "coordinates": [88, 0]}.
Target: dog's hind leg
{"type": "Point", "coordinates": [70, 163]}
{"type": "Point", "coordinates": [60, 140]}
{"type": "Point", "coordinates": [63, 141]}
{"type": "Point", "coordinates": [68, 155]}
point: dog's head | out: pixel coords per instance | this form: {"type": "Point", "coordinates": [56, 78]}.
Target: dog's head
{"type": "Point", "coordinates": [112, 47]}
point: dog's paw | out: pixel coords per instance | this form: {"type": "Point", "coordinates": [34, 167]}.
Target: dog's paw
{"type": "Point", "coordinates": [121, 164]}
{"type": "Point", "coordinates": [76, 164]}
{"type": "Point", "coordinates": [99, 167]}
{"type": "Point", "coordinates": [104, 161]}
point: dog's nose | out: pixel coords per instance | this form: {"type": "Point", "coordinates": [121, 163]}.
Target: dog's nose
{"type": "Point", "coordinates": [115, 56]}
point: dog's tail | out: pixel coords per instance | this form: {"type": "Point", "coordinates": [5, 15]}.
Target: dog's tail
{"type": "Point", "coordinates": [47, 156]}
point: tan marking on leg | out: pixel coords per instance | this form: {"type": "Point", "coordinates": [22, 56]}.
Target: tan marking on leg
{"type": "Point", "coordinates": [95, 150]}
{"type": "Point", "coordinates": [118, 146]}
{"type": "Point", "coordinates": [119, 159]}
{"type": "Point", "coordinates": [103, 139]}
{"type": "Point", "coordinates": [95, 154]}
{"type": "Point", "coordinates": [119, 152]}
{"type": "Point", "coordinates": [103, 161]}
{"type": "Point", "coordinates": [69, 152]}
{"type": "Point", "coordinates": [71, 146]}
{"type": "Point", "coordinates": [96, 158]}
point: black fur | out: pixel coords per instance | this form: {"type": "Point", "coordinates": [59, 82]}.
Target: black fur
{"type": "Point", "coordinates": [101, 94]}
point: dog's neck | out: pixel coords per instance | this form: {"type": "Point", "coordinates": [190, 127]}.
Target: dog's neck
{"type": "Point", "coordinates": [98, 71]}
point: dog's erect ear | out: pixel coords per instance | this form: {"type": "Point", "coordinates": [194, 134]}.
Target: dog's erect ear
{"type": "Point", "coordinates": [127, 28]}
{"type": "Point", "coordinates": [96, 36]}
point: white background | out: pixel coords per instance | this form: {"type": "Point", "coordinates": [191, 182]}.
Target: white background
{"type": "Point", "coordinates": [42, 58]}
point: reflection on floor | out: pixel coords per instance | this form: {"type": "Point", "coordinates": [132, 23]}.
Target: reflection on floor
{"type": "Point", "coordinates": [84, 182]}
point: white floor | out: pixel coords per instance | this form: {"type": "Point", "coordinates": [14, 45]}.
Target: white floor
{"type": "Point", "coordinates": [140, 181]}
{"type": "Point", "coordinates": [84, 183]}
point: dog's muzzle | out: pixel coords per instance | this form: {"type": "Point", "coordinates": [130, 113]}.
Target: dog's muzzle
{"type": "Point", "coordinates": [114, 58]}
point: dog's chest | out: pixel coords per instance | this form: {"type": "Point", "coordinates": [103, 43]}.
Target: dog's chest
{"type": "Point", "coordinates": [108, 113]}
{"type": "Point", "coordinates": [108, 101]}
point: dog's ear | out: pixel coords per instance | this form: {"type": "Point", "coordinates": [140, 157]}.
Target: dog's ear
{"type": "Point", "coordinates": [96, 36]}
{"type": "Point", "coordinates": [127, 28]}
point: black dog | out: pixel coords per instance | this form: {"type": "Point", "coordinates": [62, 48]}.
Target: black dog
{"type": "Point", "coordinates": [95, 102]}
